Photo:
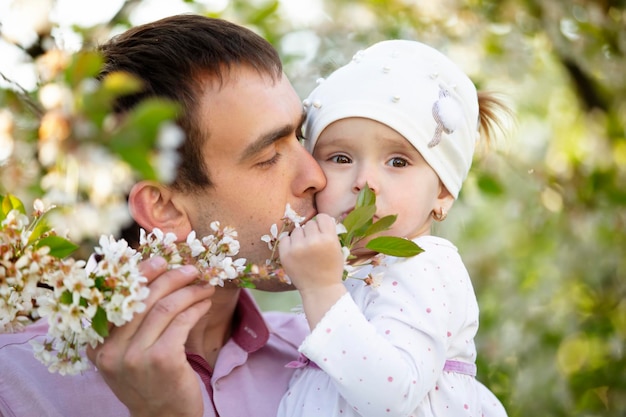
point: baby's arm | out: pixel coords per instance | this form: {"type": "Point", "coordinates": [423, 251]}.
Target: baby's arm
{"type": "Point", "coordinates": [312, 258]}
{"type": "Point", "coordinates": [385, 352]}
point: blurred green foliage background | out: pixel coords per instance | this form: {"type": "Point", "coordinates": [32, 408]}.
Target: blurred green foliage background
{"type": "Point", "coordinates": [541, 221]}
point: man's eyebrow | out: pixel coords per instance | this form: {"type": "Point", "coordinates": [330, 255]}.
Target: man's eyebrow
{"type": "Point", "coordinates": [269, 138]}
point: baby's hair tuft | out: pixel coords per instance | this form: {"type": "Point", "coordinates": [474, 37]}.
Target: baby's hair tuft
{"type": "Point", "coordinates": [493, 113]}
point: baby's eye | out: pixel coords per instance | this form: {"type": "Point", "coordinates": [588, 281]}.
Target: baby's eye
{"type": "Point", "coordinates": [398, 162]}
{"type": "Point", "coordinates": [340, 159]}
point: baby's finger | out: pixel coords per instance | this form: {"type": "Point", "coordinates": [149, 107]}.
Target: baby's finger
{"type": "Point", "coordinates": [326, 223]}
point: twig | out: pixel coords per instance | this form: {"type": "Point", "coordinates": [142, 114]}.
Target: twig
{"type": "Point", "coordinates": [23, 95]}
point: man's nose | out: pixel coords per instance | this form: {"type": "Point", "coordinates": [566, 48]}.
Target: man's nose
{"type": "Point", "coordinates": [310, 176]}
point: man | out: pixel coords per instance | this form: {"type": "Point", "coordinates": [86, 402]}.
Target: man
{"type": "Point", "coordinates": [196, 350]}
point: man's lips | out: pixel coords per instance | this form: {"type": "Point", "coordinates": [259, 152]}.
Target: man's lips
{"type": "Point", "coordinates": [309, 216]}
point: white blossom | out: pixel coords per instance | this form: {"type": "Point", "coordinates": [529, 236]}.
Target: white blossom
{"type": "Point", "coordinates": [272, 237]}
{"type": "Point", "coordinates": [229, 246]}
{"type": "Point", "coordinates": [166, 163]}
{"type": "Point", "coordinates": [170, 136]}
{"type": "Point", "coordinates": [375, 278]}
{"type": "Point", "coordinates": [194, 244]}
{"type": "Point", "coordinates": [56, 96]}
{"type": "Point", "coordinates": [291, 215]}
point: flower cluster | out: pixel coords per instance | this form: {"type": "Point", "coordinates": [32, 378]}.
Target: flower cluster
{"type": "Point", "coordinates": [39, 281]}
{"type": "Point", "coordinates": [81, 300]}
{"type": "Point", "coordinates": [212, 254]}
{"type": "Point", "coordinates": [21, 266]}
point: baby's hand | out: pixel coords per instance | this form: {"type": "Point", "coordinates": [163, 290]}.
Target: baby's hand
{"type": "Point", "coordinates": [312, 258]}
{"type": "Point", "coordinates": [311, 255]}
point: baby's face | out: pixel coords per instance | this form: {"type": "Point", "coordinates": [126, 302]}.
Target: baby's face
{"type": "Point", "coordinates": [356, 151]}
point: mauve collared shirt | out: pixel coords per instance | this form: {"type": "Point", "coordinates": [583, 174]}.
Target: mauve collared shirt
{"type": "Point", "coordinates": [249, 378]}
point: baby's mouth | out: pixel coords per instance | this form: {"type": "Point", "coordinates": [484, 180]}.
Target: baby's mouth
{"type": "Point", "coordinates": [343, 215]}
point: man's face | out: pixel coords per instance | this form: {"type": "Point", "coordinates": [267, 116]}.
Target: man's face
{"type": "Point", "coordinates": [254, 159]}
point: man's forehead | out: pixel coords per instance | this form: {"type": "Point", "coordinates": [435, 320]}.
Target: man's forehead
{"type": "Point", "coordinates": [248, 106]}
{"type": "Point", "coordinates": [231, 75]}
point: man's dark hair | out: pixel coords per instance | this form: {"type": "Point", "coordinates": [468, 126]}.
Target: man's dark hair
{"type": "Point", "coordinates": [174, 57]}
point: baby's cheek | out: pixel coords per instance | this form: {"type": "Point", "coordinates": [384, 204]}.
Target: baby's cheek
{"type": "Point", "coordinates": [326, 203]}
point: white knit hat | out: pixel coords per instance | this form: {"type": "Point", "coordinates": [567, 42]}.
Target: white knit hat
{"type": "Point", "coordinates": [415, 90]}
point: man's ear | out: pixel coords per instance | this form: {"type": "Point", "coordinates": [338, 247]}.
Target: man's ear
{"type": "Point", "coordinates": [152, 205]}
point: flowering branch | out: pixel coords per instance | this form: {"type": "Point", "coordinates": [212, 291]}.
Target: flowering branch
{"type": "Point", "coordinates": [80, 300]}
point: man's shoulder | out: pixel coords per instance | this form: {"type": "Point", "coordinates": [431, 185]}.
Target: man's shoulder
{"type": "Point", "coordinates": [28, 388]}
{"type": "Point", "coordinates": [17, 359]}
{"type": "Point", "coordinates": [39, 329]}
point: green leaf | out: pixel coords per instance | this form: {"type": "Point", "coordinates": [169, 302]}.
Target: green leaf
{"type": "Point", "coordinates": [394, 246]}
{"type": "Point", "coordinates": [144, 120]}
{"type": "Point", "coordinates": [41, 226]}
{"type": "Point", "coordinates": [358, 218]}
{"type": "Point", "coordinates": [381, 225]}
{"type": "Point", "coordinates": [263, 13]}
{"type": "Point", "coordinates": [99, 282]}
{"type": "Point", "coordinates": [99, 322]}
{"type": "Point", "coordinates": [59, 246]}
{"type": "Point", "coordinates": [97, 104]}
{"type": "Point", "coordinates": [139, 160]}
{"type": "Point", "coordinates": [366, 197]}
{"type": "Point", "coordinates": [121, 83]}
{"type": "Point", "coordinates": [490, 185]}
{"type": "Point", "coordinates": [3, 215]}
{"type": "Point", "coordinates": [11, 202]}
{"type": "Point", "coordinates": [66, 297]}
{"type": "Point", "coordinates": [84, 65]}
{"type": "Point", "coordinates": [246, 283]}
{"type": "Point", "coordinates": [134, 141]}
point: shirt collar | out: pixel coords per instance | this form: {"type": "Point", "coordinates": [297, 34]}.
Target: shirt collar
{"type": "Point", "coordinates": [250, 330]}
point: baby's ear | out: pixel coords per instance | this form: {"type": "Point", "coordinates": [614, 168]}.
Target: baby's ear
{"type": "Point", "coordinates": [152, 206]}
{"type": "Point", "coordinates": [444, 200]}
